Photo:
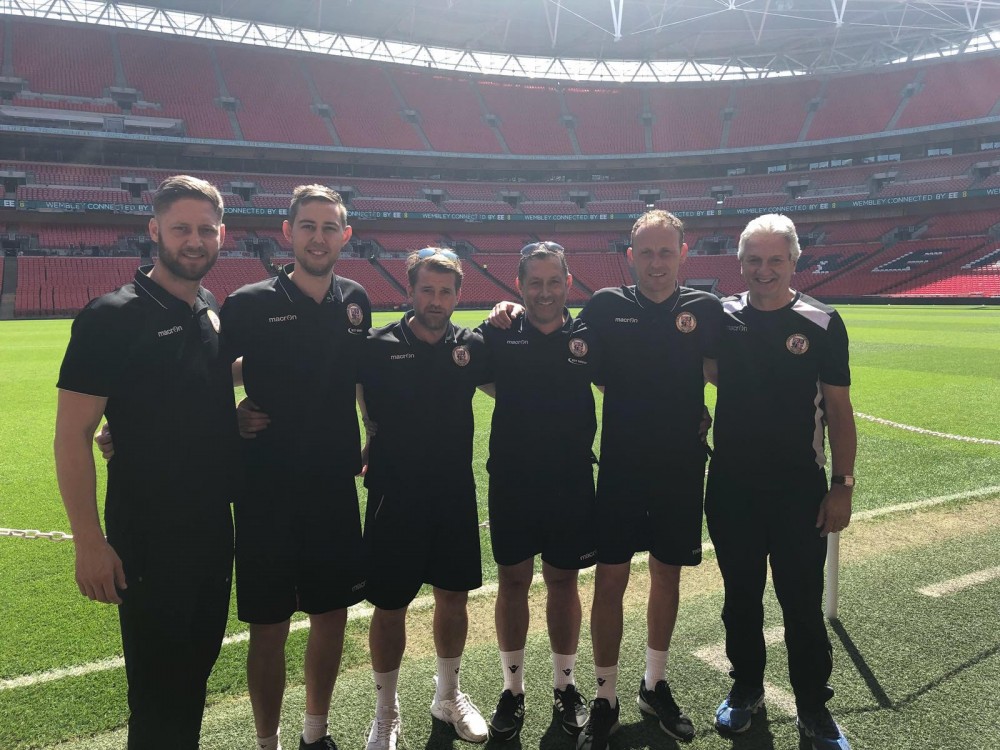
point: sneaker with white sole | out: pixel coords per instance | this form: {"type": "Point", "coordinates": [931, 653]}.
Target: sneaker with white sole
{"type": "Point", "coordinates": [384, 734]}
{"type": "Point", "coordinates": [736, 712]}
{"type": "Point", "coordinates": [659, 702]}
{"type": "Point", "coordinates": [463, 715]}
{"type": "Point", "coordinates": [571, 708]}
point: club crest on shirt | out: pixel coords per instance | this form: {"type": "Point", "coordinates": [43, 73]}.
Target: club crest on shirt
{"type": "Point", "coordinates": [214, 320]}
{"type": "Point", "coordinates": [578, 347]}
{"type": "Point", "coordinates": [686, 322]}
{"type": "Point", "coordinates": [355, 314]}
{"type": "Point", "coordinates": [461, 355]}
{"type": "Point", "coordinates": [797, 343]}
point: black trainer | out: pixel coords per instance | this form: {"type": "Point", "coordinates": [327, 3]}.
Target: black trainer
{"type": "Point", "coordinates": [508, 718]}
{"type": "Point", "coordinates": [571, 708]}
{"type": "Point", "coordinates": [602, 724]}
{"type": "Point", "coordinates": [323, 743]}
{"type": "Point", "coordinates": [660, 703]}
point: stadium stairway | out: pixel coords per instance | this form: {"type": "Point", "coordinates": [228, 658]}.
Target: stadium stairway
{"type": "Point", "coordinates": [9, 290]}
{"type": "Point", "coordinates": [388, 277]}
{"type": "Point", "coordinates": [486, 272]}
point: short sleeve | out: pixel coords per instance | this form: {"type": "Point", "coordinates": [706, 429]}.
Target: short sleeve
{"type": "Point", "coordinates": [835, 366]}
{"type": "Point", "coordinates": [96, 356]}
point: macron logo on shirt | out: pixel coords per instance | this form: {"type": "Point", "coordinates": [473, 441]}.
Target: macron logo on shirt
{"type": "Point", "coordinates": [282, 318]}
{"type": "Point", "coordinates": [170, 331]}
{"type": "Point", "coordinates": [626, 320]}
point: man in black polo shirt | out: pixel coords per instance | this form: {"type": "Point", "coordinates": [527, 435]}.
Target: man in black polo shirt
{"type": "Point", "coordinates": [298, 528]}
{"type": "Point", "coordinates": [655, 338]}
{"type": "Point", "coordinates": [782, 375]}
{"type": "Point", "coordinates": [147, 357]}
{"type": "Point", "coordinates": [421, 524]}
{"type": "Point", "coordinates": [541, 478]}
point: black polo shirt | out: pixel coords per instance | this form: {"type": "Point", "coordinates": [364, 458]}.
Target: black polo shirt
{"type": "Point", "coordinates": [300, 365]}
{"type": "Point", "coordinates": [170, 406]}
{"type": "Point", "coordinates": [421, 397]}
{"type": "Point", "coordinates": [652, 372]}
{"type": "Point", "coordinates": [770, 417]}
{"type": "Point", "coordinates": [543, 419]}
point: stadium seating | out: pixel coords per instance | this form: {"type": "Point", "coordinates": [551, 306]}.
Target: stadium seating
{"type": "Point", "coordinates": [607, 120]}
{"type": "Point", "coordinates": [380, 290]}
{"type": "Point", "coordinates": [959, 90]}
{"type": "Point", "coordinates": [61, 286]}
{"type": "Point", "coordinates": [62, 59]}
{"type": "Point", "coordinates": [379, 122]}
{"type": "Point", "coordinates": [766, 114]}
{"type": "Point", "coordinates": [179, 81]}
{"type": "Point", "coordinates": [600, 270]}
{"type": "Point", "coordinates": [405, 241]}
{"type": "Point", "coordinates": [449, 111]}
{"type": "Point", "coordinates": [688, 119]}
{"type": "Point", "coordinates": [275, 107]}
{"type": "Point", "coordinates": [529, 117]}
{"type": "Point", "coordinates": [839, 114]}
{"type": "Point", "coordinates": [896, 266]}
{"type": "Point", "coordinates": [725, 269]}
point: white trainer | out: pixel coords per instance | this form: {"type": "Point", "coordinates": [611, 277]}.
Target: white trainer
{"type": "Point", "coordinates": [384, 734]}
{"type": "Point", "coordinates": [462, 714]}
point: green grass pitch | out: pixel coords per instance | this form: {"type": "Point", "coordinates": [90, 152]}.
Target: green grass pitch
{"type": "Point", "coordinates": [911, 671]}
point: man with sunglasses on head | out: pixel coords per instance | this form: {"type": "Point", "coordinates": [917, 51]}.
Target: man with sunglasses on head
{"type": "Point", "coordinates": [543, 430]}
{"type": "Point", "coordinates": [418, 375]}
{"type": "Point", "coordinates": [656, 337]}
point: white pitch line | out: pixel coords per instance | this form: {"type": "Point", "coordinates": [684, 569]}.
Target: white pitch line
{"type": "Point", "coordinates": [922, 431]}
{"type": "Point", "coordinates": [961, 583]}
{"type": "Point", "coordinates": [925, 503]}
{"type": "Point", "coordinates": [361, 611]}
{"type": "Point", "coordinates": [715, 657]}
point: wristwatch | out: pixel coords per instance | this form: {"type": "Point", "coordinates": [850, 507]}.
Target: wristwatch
{"type": "Point", "coordinates": [845, 479]}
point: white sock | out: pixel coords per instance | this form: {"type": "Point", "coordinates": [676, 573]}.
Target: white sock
{"type": "Point", "coordinates": [513, 671]}
{"type": "Point", "coordinates": [269, 743]}
{"type": "Point", "coordinates": [314, 727]}
{"type": "Point", "coordinates": [563, 670]}
{"type": "Point", "coordinates": [385, 688]}
{"type": "Point", "coordinates": [447, 678]}
{"type": "Point", "coordinates": [607, 682]}
{"type": "Point", "coordinates": [656, 667]}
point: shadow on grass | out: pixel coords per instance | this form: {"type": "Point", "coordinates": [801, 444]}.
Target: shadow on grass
{"type": "Point", "coordinates": [881, 697]}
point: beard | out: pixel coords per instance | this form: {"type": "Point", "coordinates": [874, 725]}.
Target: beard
{"type": "Point", "coordinates": [172, 262]}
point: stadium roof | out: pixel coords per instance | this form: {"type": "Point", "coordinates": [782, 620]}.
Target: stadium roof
{"type": "Point", "coordinates": [621, 40]}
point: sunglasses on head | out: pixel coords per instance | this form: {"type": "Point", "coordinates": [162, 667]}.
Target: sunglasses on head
{"type": "Point", "coordinates": [554, 247]}
{"type": "Point", "coordinates": [427, 252]}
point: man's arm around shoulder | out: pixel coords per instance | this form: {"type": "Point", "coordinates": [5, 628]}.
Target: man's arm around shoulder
{"type": "Point", "coordinates": [98, 567]}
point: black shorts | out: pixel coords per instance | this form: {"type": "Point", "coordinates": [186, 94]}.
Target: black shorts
{"type": "Point", "coordinates": [298, 549]}
{"type": "Point", "coordinates": [413, 539]}
{"type": "Point", "coordinates": [661, 514]}
{"type": "Point", "coordinates": [552, 518]}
